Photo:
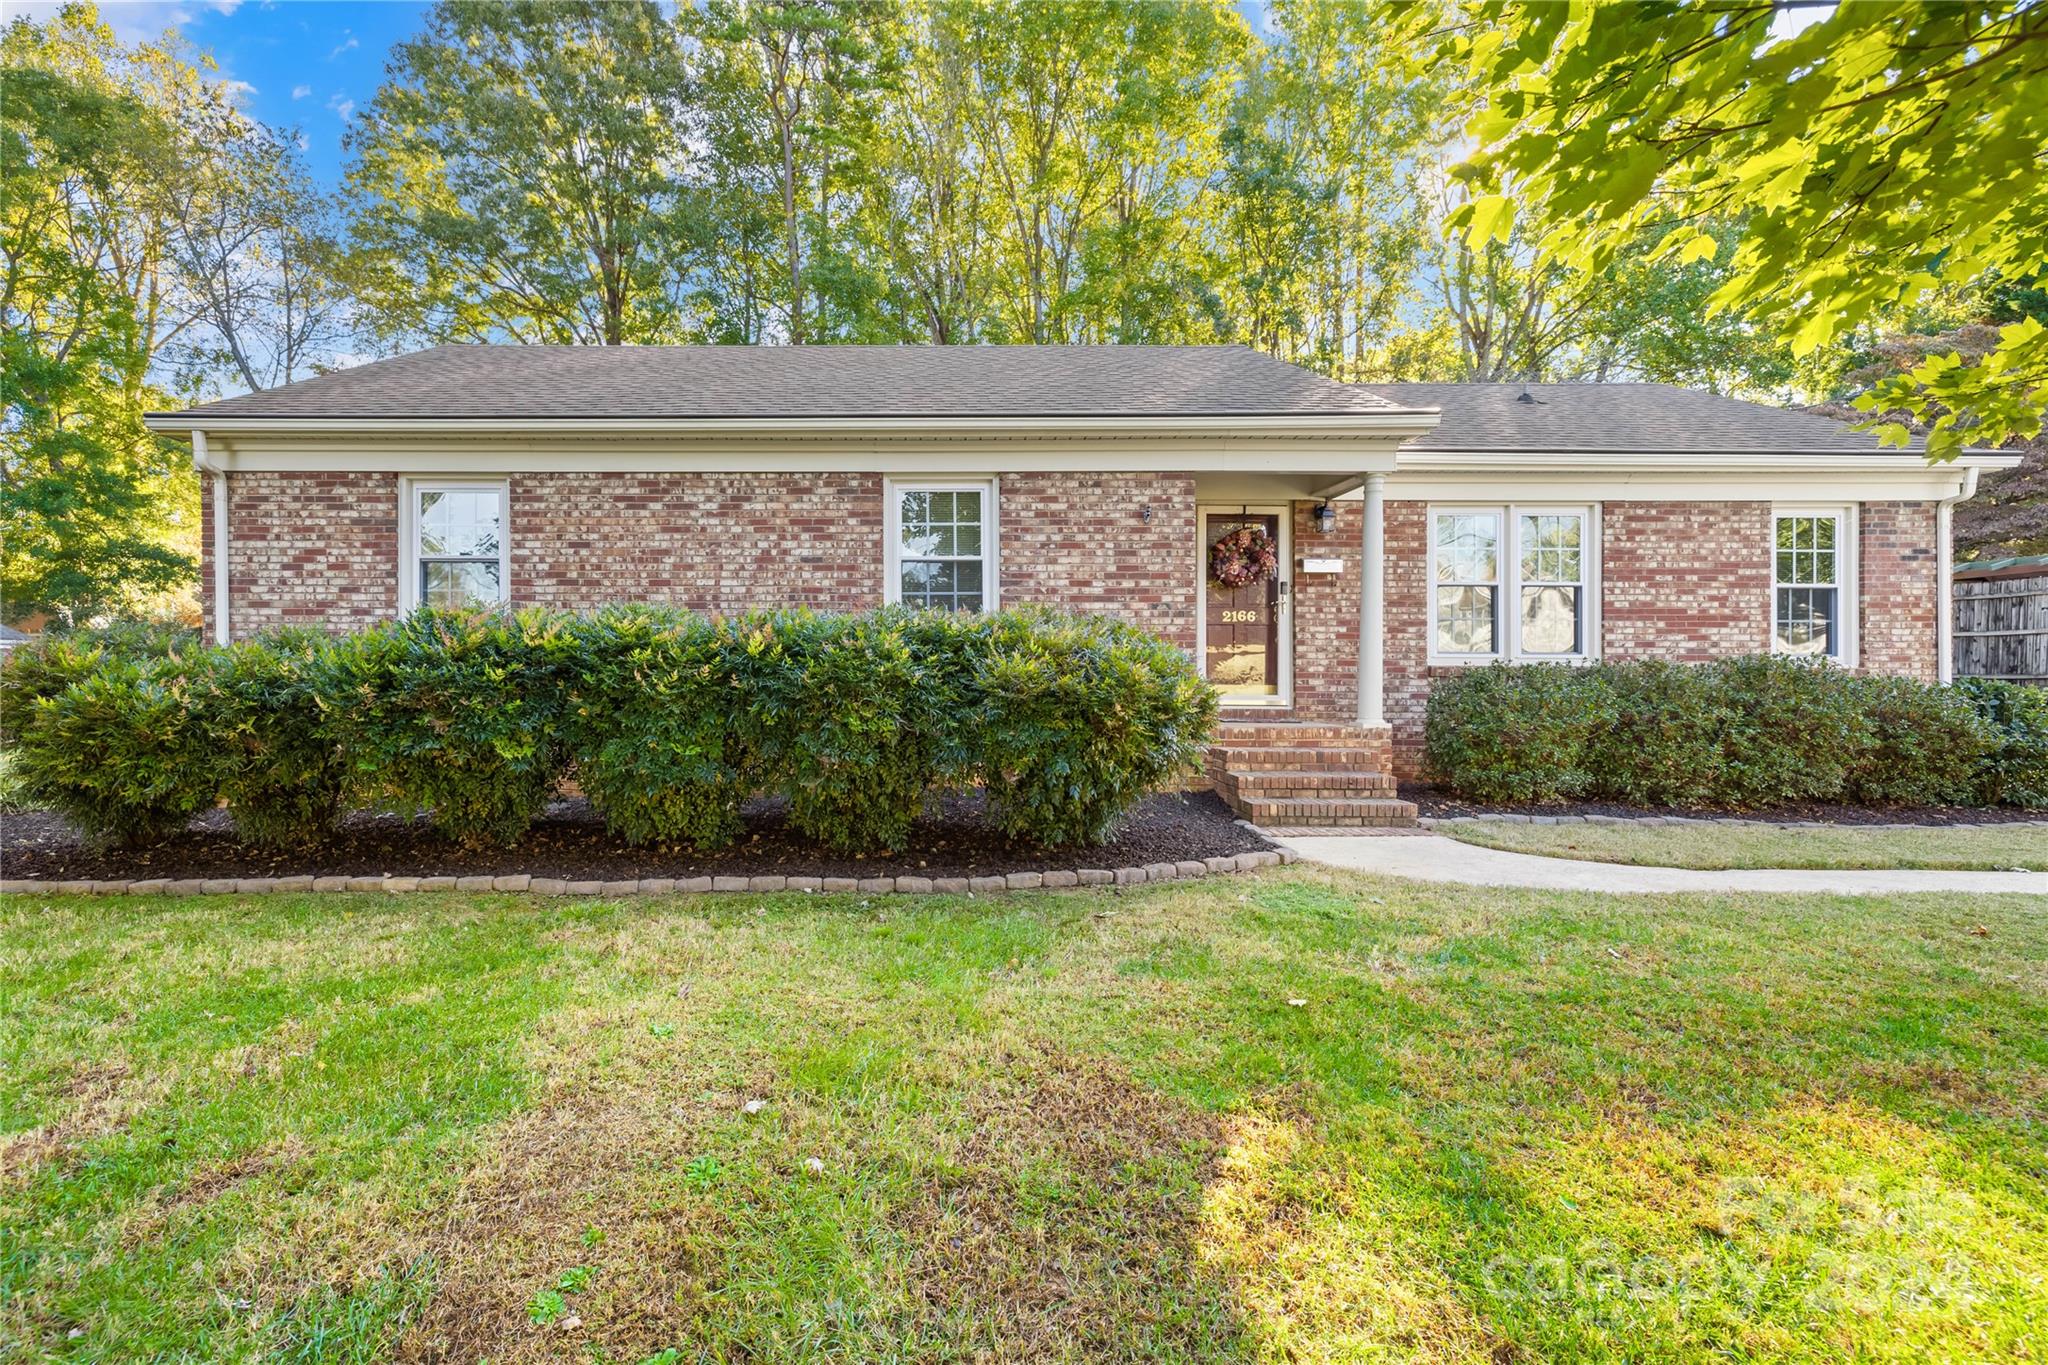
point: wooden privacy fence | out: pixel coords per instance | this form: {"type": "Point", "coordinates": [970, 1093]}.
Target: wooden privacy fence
{"type": "Point", "coordinates": [2001, 621]}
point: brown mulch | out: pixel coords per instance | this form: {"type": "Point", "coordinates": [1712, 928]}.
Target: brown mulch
{"type": "Point", "coordinates": [1436, 803]}
{"type": "Point", "coordinates": [570, 842]}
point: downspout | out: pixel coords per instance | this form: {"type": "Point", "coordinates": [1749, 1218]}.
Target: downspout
{"type": "Point", "coordinates": [205, 464]}
{"type": "Point", "coordinates": [1945, 559]}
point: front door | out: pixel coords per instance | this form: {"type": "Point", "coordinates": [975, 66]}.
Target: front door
{"type": "Point", "coordinates": [1244, 636]}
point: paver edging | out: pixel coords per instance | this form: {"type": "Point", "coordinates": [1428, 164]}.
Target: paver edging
{"type": "Point", "coordinates": [524, 884]}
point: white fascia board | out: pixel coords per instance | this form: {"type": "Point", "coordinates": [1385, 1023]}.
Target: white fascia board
{"type": "Point", "coordinates": [1324, 457]}
{"type": "Point", "coordinates": [1398, 423]}
{"type": "Point", "coordinates": [1914, 483]}
{"type": "Point", "coordinates": [1688, 462]}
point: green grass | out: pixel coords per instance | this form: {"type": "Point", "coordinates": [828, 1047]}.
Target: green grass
{"type": "Point", "coordinates": [1301, 1116]}
{"type": "Point", "coordinates": [1963, 847]}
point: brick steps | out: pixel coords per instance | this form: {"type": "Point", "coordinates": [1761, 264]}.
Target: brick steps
{"type": "Point", "coordinates": [1348, 814]}
{"type": "Point", "coordinates": [1308, 775]}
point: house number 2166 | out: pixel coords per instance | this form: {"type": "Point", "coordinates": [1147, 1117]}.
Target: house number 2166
{"type": "Point", "coordinates": [1240, 616]}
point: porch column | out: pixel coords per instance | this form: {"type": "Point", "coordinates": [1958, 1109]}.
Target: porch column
{"type": "Point", "coordinates": [1372, 604]}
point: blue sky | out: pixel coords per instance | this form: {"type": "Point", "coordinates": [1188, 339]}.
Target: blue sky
{"type": "Point", "coordinates": [304, 64]}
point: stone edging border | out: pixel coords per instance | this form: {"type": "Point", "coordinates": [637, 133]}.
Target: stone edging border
{"type": "Point", "coordinates": [664, 886]}
{"type": "Point", "coordinates": [1654, 821]}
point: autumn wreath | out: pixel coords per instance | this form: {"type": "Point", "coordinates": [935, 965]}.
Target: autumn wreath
{"type": "Point", "coordinates": [1244, 557]}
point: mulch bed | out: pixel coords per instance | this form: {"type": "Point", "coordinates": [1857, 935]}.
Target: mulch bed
{"type": "Point", "coordinates": [1434, 803]}
{"type": "Point", "coordinates": [570, 842]}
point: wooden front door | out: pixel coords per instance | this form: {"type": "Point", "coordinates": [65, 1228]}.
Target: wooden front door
{"type": "Point", "coordinates": [1244, 639]}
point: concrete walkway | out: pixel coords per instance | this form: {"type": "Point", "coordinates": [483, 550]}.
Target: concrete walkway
{"type": "Point", "coordinates": [1434, 858]}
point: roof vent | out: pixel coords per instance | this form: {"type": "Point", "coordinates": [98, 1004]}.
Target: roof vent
{"type": "Point", "coordinates": [1526, 396]}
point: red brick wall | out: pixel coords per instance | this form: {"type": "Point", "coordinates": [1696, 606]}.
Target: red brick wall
{"type": "Point", "coordinates": [1081, 542]}
{"type": "Point", "coordinates": [311, 549]}
{"type": "Point", "coordinates": [707, 542]}
{"type": "Point", "coordinates": [1326, 614]}
{"type": "Point", "coordinates": [1407, 617]}
{"type": "Point", "coordinates": [1897, 627]}
{"type": "Point", "coordinates": [1685, 581]}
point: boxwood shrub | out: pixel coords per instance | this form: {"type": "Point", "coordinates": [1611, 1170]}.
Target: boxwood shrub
{"type": "Point", "coordinates": [456, 713]}
{"type": "Point", "coordinates": [1739, 733]}
{"type": "Point", "coordinates": [121, 752]}
{"type": "Point", "coordinates": [284, 778]}
{"type": "Point", "coordinates": [2015, 770]}
{"type": "Point", "coordinates": [1076, 717]}
{"type": "Point", "coordinates": [669, 722]}
{"type": "Point", "coordinates": [657, 720]}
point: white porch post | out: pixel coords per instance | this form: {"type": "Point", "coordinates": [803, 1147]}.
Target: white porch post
{"type": "Point", "coordinates": [1372, 606]}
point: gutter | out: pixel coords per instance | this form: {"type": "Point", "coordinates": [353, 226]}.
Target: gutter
{"type": "Point", "coordinates": [205, 464]}
{"type": "Point", "coordinates": [1945, 573]}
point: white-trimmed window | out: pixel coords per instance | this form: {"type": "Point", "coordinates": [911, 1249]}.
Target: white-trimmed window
{"type": "Point", "coordinates": [1813, 570]}
{"type": "Point", "coordinates": [942, 545]}
{"type": "Point", "coordinates": [456, 548]}
{"type": "Point", "coordinates": [1511, 582]}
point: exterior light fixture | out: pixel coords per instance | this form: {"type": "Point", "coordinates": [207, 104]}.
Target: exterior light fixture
{"type": "Point", "coordinates": [1326, 518]}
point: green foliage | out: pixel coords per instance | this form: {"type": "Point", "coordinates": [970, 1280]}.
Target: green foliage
{"type": "Point", "coordinates": [452, 712]}
{"type": "Point", "coordinates": [283, 777]}
{"type": "Point", "coordinates": [858, 716]}
{"type": "Point", "coordinates": [120, 752]}
{"type": "Point", "coordinates": [1079, 717]}
{"type": "Point", "coordinates": [1739, 733]}
{"type": "Point", "coordinates": [658, 724]}
{"type": "Point", "coordinates": [517, 176]}
{"type": "Point", "coordinates": [1483, 726]}
{"type": "Point", "coordinates": [49, 664]}
{"type": "Point", "coordinates": [1927, 747]}
{"type": "Point", "coordinates": [1838, 149]}
{"type": "Point", "coordinates": [672, 721]}
{"type": "Point", "coordinates": [2015, 773]}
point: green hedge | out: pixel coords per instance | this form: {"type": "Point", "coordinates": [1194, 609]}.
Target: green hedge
{"type": "Point", "coordinates": [668, 721]}
{"type": "Point", "coordinates": [1740, 734]}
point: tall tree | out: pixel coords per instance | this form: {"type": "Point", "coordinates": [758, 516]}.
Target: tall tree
{"type": "Point", "coordinates": [83, 486]}
{"type": "Point", "coordinates": [519, 176]}
{"type": "Point", "coordinates": [787, 99]}
{"type": "Point", "coordinates": [1875, 154]}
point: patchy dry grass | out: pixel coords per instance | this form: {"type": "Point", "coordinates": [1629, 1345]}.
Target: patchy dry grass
{"type": "Point", "coordinates": [1307, 1116]}
{"type": "Point", "coordinates": [1965, 848]}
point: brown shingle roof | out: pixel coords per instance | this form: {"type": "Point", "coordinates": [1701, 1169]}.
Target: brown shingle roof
{"type": "Point", "coordinates": [1634, 418]}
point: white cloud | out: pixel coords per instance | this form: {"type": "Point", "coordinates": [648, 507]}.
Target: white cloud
{"type": "Point", "coordinates": [348, 46]}
{"type": "Point", "coordinates": [300, 92]}
{"type": "Point", "coordinates": [303, 141]}
{"type": "Point", "coordinates": [224, 6]}
{"type": "Point", "coordinates": [238, 88]}
{"type": "Point", "coordinates": [342, 105]}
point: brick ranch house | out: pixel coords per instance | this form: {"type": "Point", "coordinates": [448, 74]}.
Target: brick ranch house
{"type": "Point", "coordinates": [1421, 528]}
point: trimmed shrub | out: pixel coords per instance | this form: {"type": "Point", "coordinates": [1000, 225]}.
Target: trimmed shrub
{"type": "Point", "coordinates": [1793, 730]}
{"type": "Point", "coordinates": [1078, 719]}
{"type": "Point", "coordinates": [281, 773]}
{"type": "Point", "coordinates": [120, 752]}
{"type": "Point", "coordinates": [451, 712]}
{"type": "Point", "coordinates": [853, 717]}
{"type": "Point", "coordinates": [1661, 745]}
{"type": "Point", "coordinates": [52, 663]}
{"type": "Point", "coordinates": [2015, 771]}
{"type": "Point", "coordinates": [1749, 732]}
{"type": "Point", "coordinates": [1925, 748]}
{"type": "Point", "coordinates": [657, 722]}
{"type": "Point", "coordinates": [1516, 732]}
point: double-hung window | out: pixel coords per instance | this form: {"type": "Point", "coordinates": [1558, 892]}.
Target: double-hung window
{"type": "Point", "coordinates": [942, 546]}
{"type": "Point", "coordinates": [455, 544]}
{"type": "Point", "coordinates": [1511, 583]}
{"type": "Point", "coordinates": [1812, 568]}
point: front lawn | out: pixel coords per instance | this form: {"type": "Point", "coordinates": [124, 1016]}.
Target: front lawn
{"type": "Point", "coordinates": [1959, 847]}
{"type": "Point", "coordinates": [1298, 1115]}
